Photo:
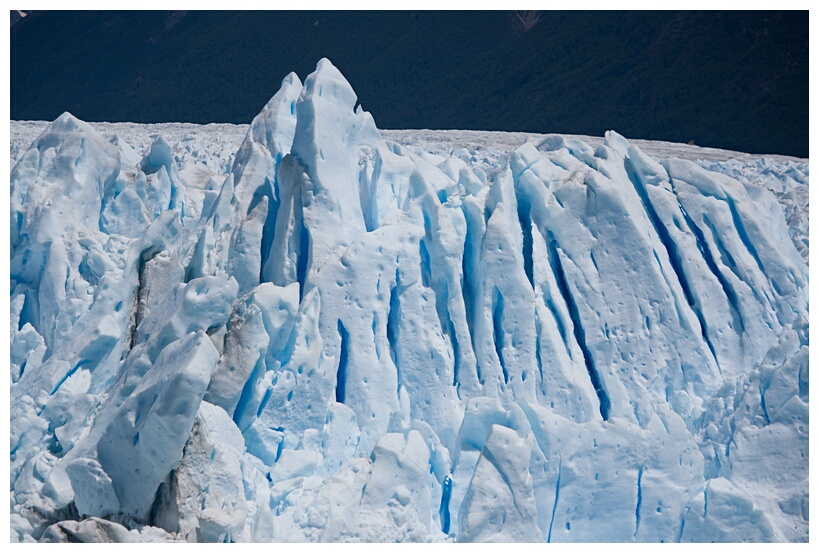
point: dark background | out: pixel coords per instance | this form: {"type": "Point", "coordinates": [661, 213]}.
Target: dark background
{"type": "Point", "coordinates": [735, 80]}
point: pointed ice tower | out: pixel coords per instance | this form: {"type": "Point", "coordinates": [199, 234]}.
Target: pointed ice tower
{"type": "Point", "coordinates": [320, 209]}
{"type": "Point", "coordinates": [243, 216]}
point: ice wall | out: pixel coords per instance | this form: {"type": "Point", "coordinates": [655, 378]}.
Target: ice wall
{"type": "Point", "coordinates": [348, 339]}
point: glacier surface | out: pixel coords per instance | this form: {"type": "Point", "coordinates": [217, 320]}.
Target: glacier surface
{"type": "Point", "coordinates": [312, 330]}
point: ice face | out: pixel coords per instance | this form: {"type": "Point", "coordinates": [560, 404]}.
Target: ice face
{"type": "Point", "coordinates": [313, 333]}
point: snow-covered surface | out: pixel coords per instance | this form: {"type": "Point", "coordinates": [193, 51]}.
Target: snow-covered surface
{"type": "Point", "coordinates": [309, 329]}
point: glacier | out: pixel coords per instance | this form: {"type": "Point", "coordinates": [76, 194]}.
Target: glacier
{"type": "Point", "coordinates": [307, 329]}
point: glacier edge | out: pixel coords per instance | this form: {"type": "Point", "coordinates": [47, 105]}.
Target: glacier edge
{"type": "Point", "coordinates": [337, 337]}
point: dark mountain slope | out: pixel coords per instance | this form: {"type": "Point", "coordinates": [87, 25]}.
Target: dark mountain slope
{"type": "Point", "coordinates": [735, 80]}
